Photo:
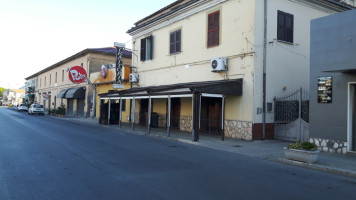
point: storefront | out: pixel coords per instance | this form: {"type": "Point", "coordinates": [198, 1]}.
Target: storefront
{"type": "Point", "coordinates": [333, 83]}
{"type": "Point", "coordinates": [197, 107]}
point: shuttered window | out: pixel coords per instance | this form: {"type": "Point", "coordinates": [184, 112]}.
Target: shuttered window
{"type": "Point", "coordinates": [175, 42]}
{"type": "Point", "coordinates": [146, 48]}
{"type": "Point", "coordinates": [213, 29]}
{"type": "Point", "coordinates": [285, 27]}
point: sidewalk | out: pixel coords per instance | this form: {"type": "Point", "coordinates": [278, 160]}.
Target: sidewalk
{"type": "Point", "coordinates": [267, 149]}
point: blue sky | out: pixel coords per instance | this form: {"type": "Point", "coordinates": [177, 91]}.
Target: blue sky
{"type": "Point", "coordinates": [35, 34]}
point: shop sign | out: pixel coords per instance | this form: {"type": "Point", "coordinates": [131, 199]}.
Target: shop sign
{"type": "Point", "coordinates": [104, 71]}
{"type": "Point", "coordinates": [77, 74]}
{"type": "Point", "coordinates": [45, 97]}
{"type": "Point", "coordinates": [325, 89]}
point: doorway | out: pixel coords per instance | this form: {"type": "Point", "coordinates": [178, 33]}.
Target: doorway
{"type": "Point", "coordinates": [211, 115]}
{"type": "Point", "coordinates": [143, 120]}
{"type": "Point", "coordinates": [352, 118]}
{"type": "Point", "coordinates": [175, 112]}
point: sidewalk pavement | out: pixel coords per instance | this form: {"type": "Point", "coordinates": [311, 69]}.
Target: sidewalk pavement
{"type": "Point", "coordinates": [265, 149]}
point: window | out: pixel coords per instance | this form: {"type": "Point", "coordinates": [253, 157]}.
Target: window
{"type": "Point", "coordinates": [213, 29]}
{"type": "Point", "coordinates": [62, 75]}
{"type": "Point", "coordinates": [175, 42]}
{"type": "Point", "coordinates": [40, 82]}
{"type": "Point", "coordinates": [147, 48]}
{"type": "Point", "coordinates": [45, 81]}
{"type": "Point", "coordinates": [285, 27]}
{"type": "Point", "coordinates": [55, 78]}
{"type": "Point", "coordinates": [50, 79]}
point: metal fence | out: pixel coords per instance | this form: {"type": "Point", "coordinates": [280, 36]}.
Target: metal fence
{"type": "Point", "coordinates": [290, 107]}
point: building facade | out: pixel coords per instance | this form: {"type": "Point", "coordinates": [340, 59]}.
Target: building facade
{"type": "Point", "coordinates": [13, 97]}
{"type": "Point", "coordinates": [333, 83]}
{"type": "Point", "coordinates": [54, 87]}
{"type": "Point", "coordinates": [221, 64]}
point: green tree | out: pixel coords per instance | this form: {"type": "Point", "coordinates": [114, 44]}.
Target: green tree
{"type": "Point", "coordinates": [1, 91]}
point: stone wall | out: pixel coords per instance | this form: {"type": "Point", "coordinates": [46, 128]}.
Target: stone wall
{"type": "Point", "coordinates": [186, 123]}
{"type": "Point", "coordinates": [331, 146]}
{"type": "Point", "coordinates": [238, 129]}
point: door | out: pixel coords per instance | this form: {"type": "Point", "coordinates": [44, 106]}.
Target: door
{"type": "Point", "coordinates": [70, 107]}
{"type": "Point", "coordinates": [143, 112]}
{"type": "Point", "coordinates": [353, 118]}
{"type": "Point", "coordinates": [80, 107]}
{"type": "Point", "coordinates": [211, 115]}
{"type": "Point", "coordinates": [175, 112]}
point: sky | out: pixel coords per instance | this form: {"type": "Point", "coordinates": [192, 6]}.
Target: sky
{"type": "Point", "coordinates": [35, 34]}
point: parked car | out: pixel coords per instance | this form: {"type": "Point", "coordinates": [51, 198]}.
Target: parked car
{"type": "Point", "coordinates": [36, 109]}
{"type": "Point", "coordinates": [22, 107]}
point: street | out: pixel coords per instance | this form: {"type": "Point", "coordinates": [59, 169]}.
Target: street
{"type": "Point", "coordinates": [43, 157]}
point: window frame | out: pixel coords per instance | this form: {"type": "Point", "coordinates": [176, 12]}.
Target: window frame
{"type": "Point", "coordinates": [146, 48]}
{"type": "Point", "coordinates": [175, 45]}
{"type": "Point", "coordinates": [214, 30]}
{"type": "Point", "coordinates": [283, 31]}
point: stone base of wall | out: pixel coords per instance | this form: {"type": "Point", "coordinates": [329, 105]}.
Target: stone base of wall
{"type": "Point", "coordinates": [331, 146]}
{"type": "Point", "coordinates": [137, 118]}
{"type": "Point", "coordinates": [186, 123]}
{"type": "Point", "coordinates": [238, 129]}
{"type": "Point", "coordinates": [162, 121]}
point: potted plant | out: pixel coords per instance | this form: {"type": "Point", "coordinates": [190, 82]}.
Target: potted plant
{"type": "Point", "coordinates": [61, 111]}
{"type": "Point", "coordinates": [302, 151]}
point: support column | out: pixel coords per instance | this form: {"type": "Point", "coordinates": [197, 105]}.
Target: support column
{"type": "Point", "coordinates": [169, 117]}
{"type": "Point", "coordinates": [109, 108]}
{"type": "Point", "coordinates": [149, 114]}
{"type": "Point", "coordinates": [133, 113]}
{"type": "Point", "coordinates": [120, 116]}
{"type": "Point", "coordinates": [195, 113]}
{"type": "Point", "coordinates": [223, 119]}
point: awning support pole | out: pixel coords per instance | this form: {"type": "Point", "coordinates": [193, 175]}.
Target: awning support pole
{"type": "Point", "coordinates": [120, 116]}
{"type": "Point", "coordinates": [195, 118]}
{"type": "Point", "coordinates": [223, 119]}
{"type": "Point", "coordinates": [149, 114]}
{"type": "Point", "coordinates": [133, 113]}
{"type": "Point", "coordinates": [109, 108]}
{"type": "Point", "coordinates": [169, 117]}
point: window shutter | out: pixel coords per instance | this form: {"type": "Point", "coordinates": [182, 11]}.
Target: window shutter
{"type": "Point", "coordinates": [178, 41]}
{"type": "Point", "coordinates": [151, 47]}
{"type": "Point", "coordinates": [143, 49]}
{"type": "Point", "coordinates": [172, 43]}
{"type": "Point", "coordinates": [289, 28]}
{"type": "Point", "coordinates": [280, 26]}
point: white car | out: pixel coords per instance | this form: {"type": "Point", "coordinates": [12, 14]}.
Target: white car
{"type": "Point", "coordinates": [22, 107]}
{"type": "Point", "coordinates": [36, 109]}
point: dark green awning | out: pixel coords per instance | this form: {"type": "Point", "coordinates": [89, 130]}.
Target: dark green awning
{"type": "Point", "coordinates": [62, 93]}
{"type": "Point", "coordinates": [75, 93]}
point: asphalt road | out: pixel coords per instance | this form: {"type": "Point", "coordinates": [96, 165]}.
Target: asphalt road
{"type": "Point", "coordinates": [46, 158]}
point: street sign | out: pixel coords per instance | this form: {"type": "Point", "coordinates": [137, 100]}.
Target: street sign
{"type": "Point", "coordinates": [77, 74]}
{"type": "Point", "coordinates": [118, 86]}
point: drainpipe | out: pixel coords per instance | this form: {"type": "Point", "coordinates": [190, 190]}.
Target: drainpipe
{"type": "Point", "coordinates": [264, 71]}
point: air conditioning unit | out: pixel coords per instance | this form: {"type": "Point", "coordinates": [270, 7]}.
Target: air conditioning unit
{"type": "Point", "coordinates": [218, 64]}
{"type": "Point", "coordinates": [133, 78]}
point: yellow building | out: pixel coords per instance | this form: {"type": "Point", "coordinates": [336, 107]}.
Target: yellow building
{"type": "Point", "coordinates": [215, 66]}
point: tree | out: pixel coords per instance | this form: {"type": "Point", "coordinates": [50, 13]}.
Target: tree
{"type": "Point", "coordinates": [1, 91]}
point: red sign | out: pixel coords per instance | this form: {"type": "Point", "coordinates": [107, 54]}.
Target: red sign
{"type": "Point", "coordinates": [77, 74]}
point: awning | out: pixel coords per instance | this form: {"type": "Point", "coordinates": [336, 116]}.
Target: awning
{"type": "Point", "coordinates": [62, 93]}
{"type": "Point", "coordinates": [222, 87]}
{"type": "Point", "coordinates": [75, 93]}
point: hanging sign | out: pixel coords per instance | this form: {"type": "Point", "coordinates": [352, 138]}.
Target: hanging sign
{"type": "Point", "coordinates": [104, 71]}
{"type": "Point", "coordinates": [77, 74]}
{"type": "Point", "coordinates": [325, 89]}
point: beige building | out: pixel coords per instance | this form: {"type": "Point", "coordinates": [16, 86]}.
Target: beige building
{"type": "Point", "coordinates": [215, 66]}
{"type": "Point", "coordinates": [54, 86]}
{"type": "Point", "coordinates": [13, 96]}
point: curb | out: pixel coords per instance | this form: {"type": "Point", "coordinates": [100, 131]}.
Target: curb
{"type": "Point", "coordinates": [323, 168]}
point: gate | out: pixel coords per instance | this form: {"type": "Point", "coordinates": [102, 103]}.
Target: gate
{"type": "Point", "coordinates": [291, 117]}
